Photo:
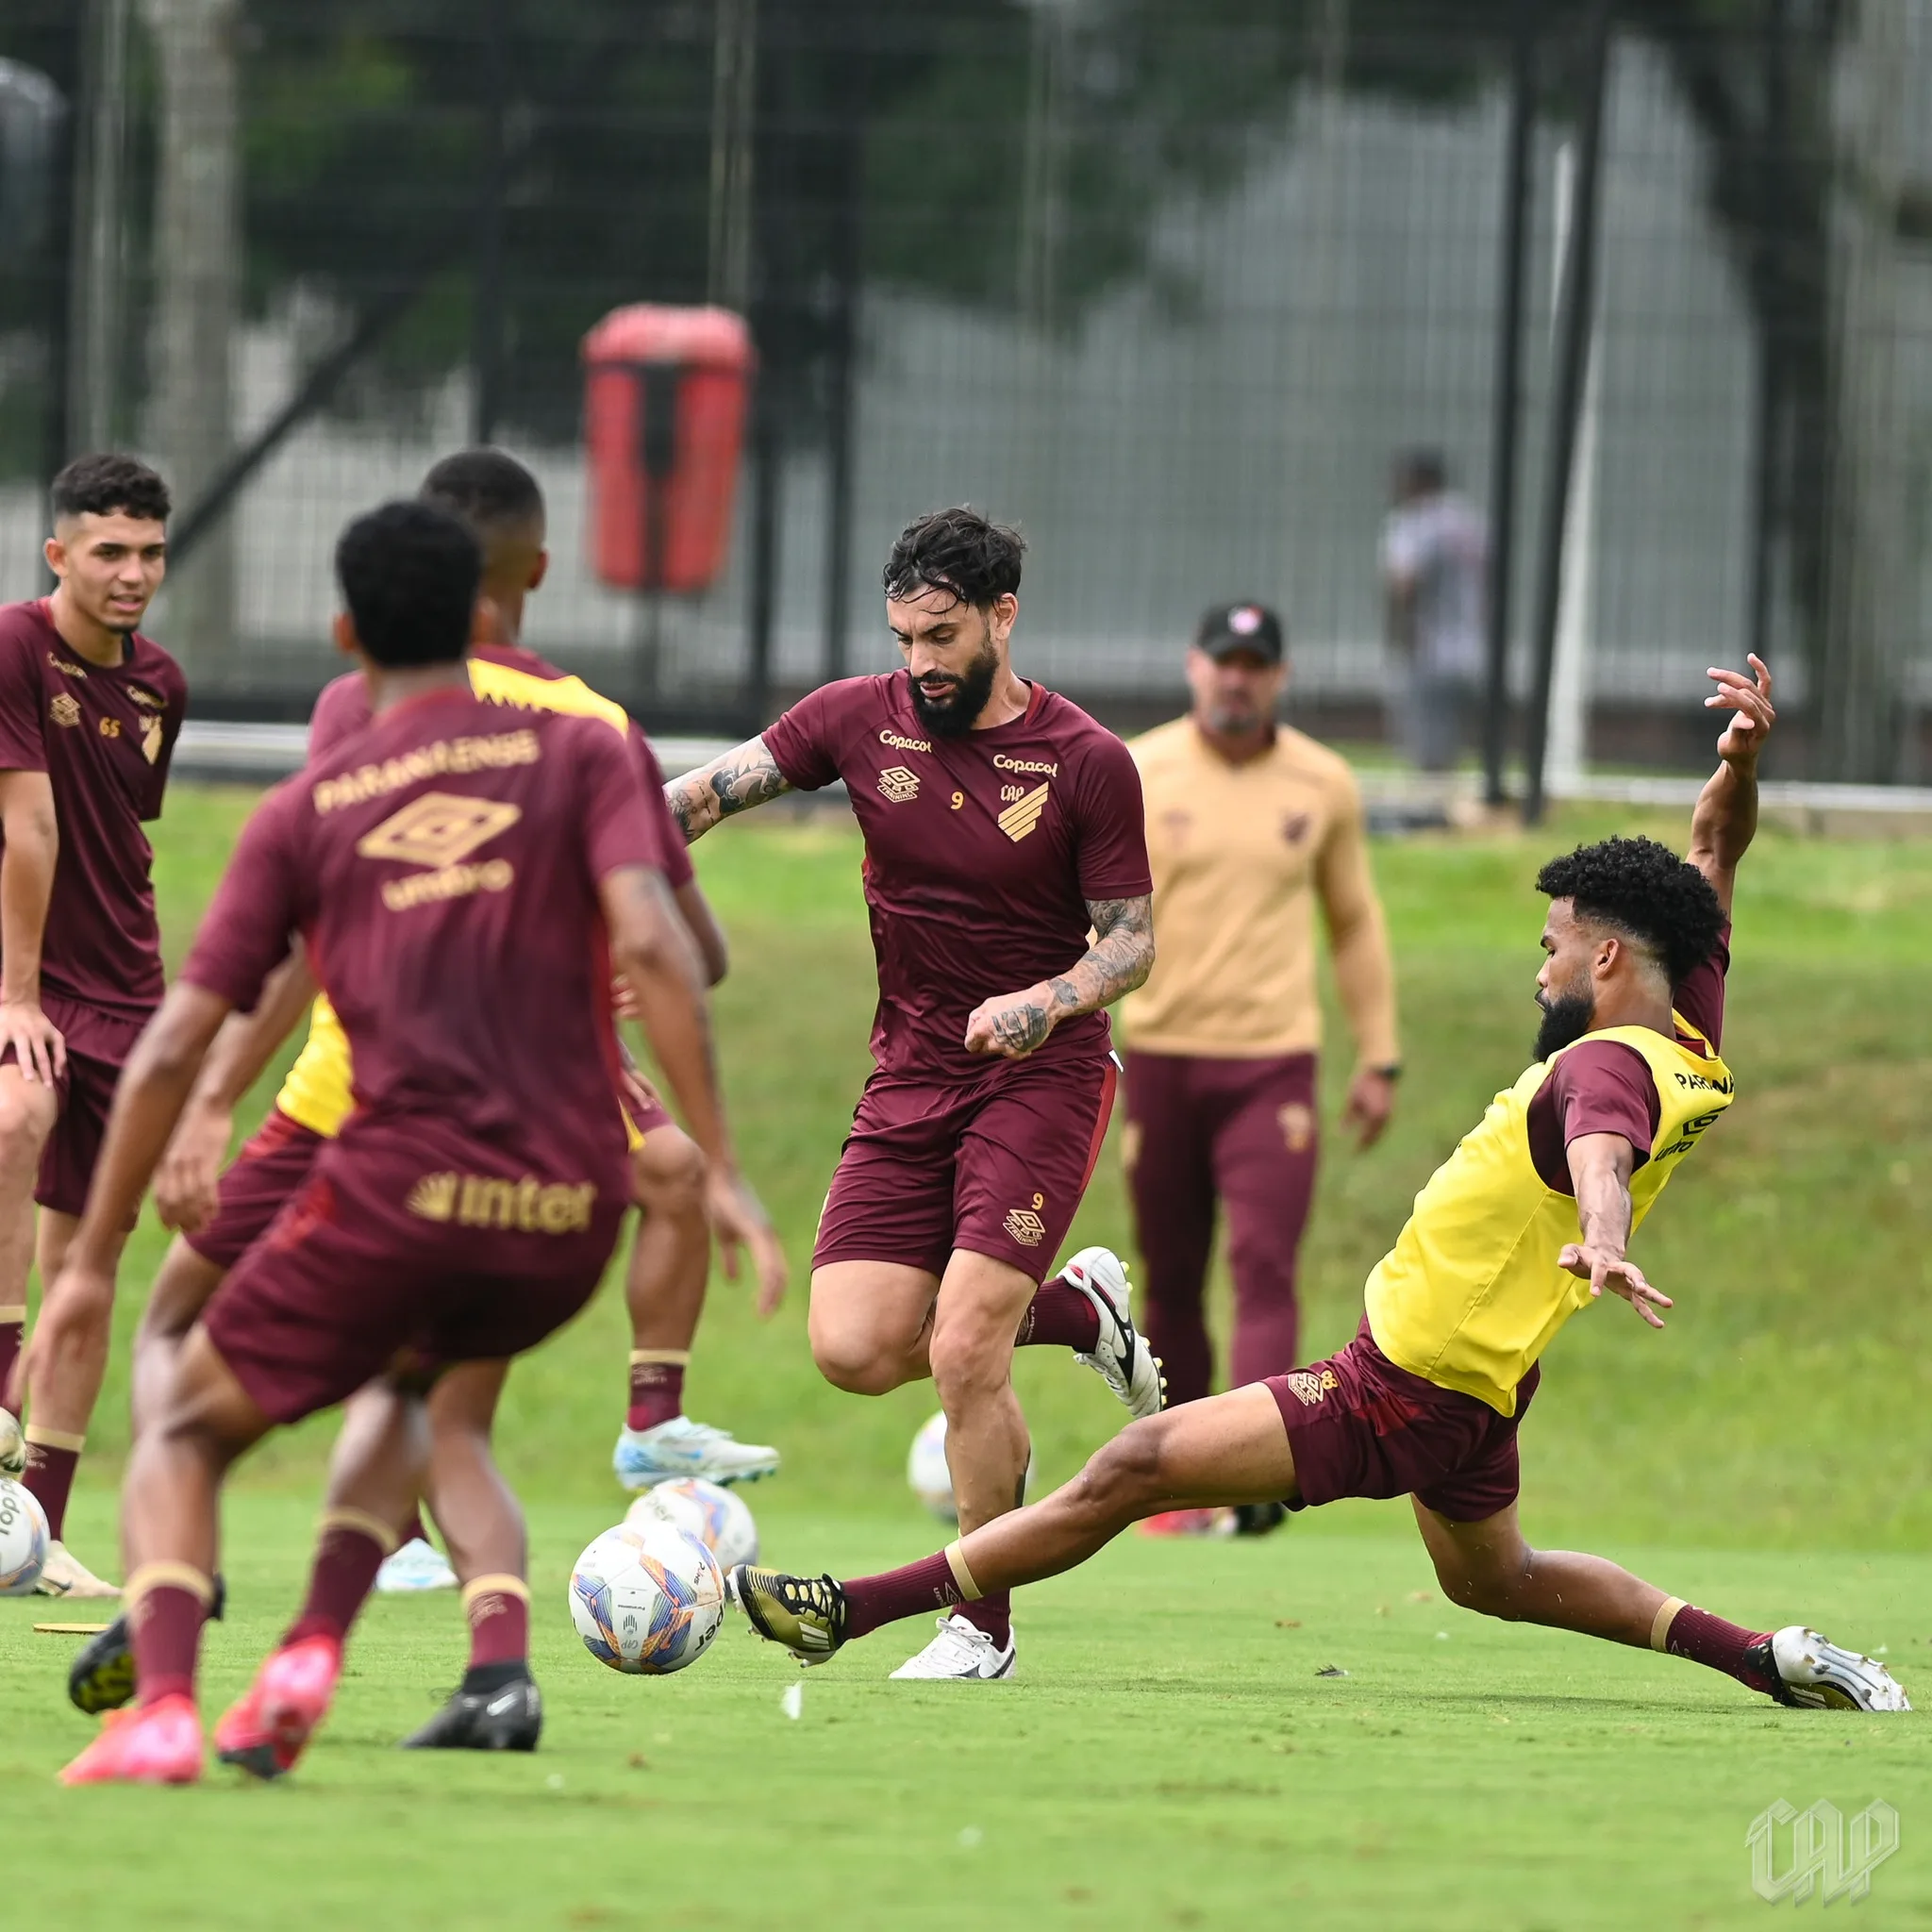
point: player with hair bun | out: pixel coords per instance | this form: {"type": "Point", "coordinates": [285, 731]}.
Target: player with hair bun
{"type": "Point", "coordinates": [1526, 1221]}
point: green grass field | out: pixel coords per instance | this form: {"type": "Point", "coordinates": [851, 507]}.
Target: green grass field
{"type": "Point", "coordinates": [1169, 1754]}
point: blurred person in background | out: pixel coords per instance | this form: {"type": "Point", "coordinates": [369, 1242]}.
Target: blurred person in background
{"type": "Point", "coordinates": [1249, 825]}
{"type": "Point", "coordinates": [1435, 566]}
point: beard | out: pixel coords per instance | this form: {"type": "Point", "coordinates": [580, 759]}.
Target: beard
{"type": "Point", "coordinates": [955, 715]}
{"type": "Point", "coordinates": [1565, 1021]}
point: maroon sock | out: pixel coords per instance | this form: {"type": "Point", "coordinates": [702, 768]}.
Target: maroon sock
{"type": "Point", "coordinates": [925, 1586]}
{"type": "Point", "coordinates": [166, 1623]}
{"type": "Point", "coordinates": [657, 1387]}
{"type": "Point", "coordinates": [1059, 1316]}
{"type": "Point", "coordinates": [498, 1608]}
{"type": "Point", "coordinates": [994, 1614]}
{"type": "Point", "coordinates": [346, 1559]}
{"type": "Point", "coordinates": [1708, 1639]}
{"type": "Point", "coordinates": [12, 1329]}
{"type": "Point", "coordinates": [50, 1475]}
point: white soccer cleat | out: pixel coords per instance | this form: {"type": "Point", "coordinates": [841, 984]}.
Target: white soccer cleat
{"type": "Point", "coordinates": [682, 1447]}
{"type": "Point", "coordinates": [416, 1566]}
{"type": "Point", "coordinates": [960, 1651]}
{"type": "Point", "coordinates": [1121, 1358]}
{"type": "Point", "coordinates": [64, 1574]}
{"type": "Point", "coordinates": [1817, 1675]}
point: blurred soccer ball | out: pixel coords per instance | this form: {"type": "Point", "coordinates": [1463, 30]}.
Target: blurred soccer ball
{"type": "Point", "coordinates": [13, 1448]}
{"type": "Point", "coordinates": [718, 1516]}
{"type": "Point", "coordinates": [928, 1472]}
{"type": "Point", "coordinates": [24, 1539]}
{"type": "Point", "coordinates": [647, 1598]}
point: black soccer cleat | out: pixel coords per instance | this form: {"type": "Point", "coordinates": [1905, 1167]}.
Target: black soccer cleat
{"type": "Point", "coordinates": [807, 1614]}
{"type": "Point", "coordinates": [101, 1677]}
{"type": "Point", "coordinates": [509, 1718]}
{"type": "Point", "coordinates": [1258, 1519]}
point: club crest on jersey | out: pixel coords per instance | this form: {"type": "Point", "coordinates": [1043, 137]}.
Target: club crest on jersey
{"type": "Point", "coordinates": [65, 709]}
{"type": "Point", "coordinates": [1023, 815]}
{"type": "Point", "coordinates": [151, 740]}
{"type": "Point", "coordinates": [899, 786]}
{"type": "Point", "coordinates": [1025, 1227]}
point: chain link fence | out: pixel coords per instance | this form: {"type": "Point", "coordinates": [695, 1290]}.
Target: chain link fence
{"type": "Point", "coordinates": [1167, 282]}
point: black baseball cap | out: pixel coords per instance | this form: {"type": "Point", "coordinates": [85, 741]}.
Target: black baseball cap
{"type": "Point", "coordinates": [1230, 628]}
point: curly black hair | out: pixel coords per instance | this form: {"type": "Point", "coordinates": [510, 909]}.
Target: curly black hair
{"type": "Point", "coordinates": [100, 484]}
{"type": "Point", "coordinates": [959, 551]}
{"type": "Point", "coordinates": [1662, 901]}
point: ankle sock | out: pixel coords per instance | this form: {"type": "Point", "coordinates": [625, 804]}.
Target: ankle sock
{"type": "Point", "coordinates": [1684, 1630]}
{"type": "Point", "coordinates": [1059, 1315]}
{"type": "Point", "coordinates": [348, 1554]}
{"type": "Point", "coordinates": [657, 1386]}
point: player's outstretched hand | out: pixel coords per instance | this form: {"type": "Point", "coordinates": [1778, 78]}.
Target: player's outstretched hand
{"type": "Point", "coordinates": [739, 1219]}
{"type": "Point", "coordinates": [1603, 1270]}
{"type": "Point", "coordinates": [1749, 699]}
{"type": "Point", "coordinates": [1012, 1025]}
{"type": "Point", "coordinates": [38, 1045]}
{"type": "Point", "coordinates": [189, 1178]}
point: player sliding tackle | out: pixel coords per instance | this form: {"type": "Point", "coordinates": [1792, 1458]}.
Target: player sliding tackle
{"type": "Point", "coordinates": [1002, 827]}
{"type": "Point", "coordinates": [1529, 1220]}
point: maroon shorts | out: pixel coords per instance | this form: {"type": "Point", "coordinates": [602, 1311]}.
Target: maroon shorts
{"type": "Point", "coordinates": [267, 1173]}
{"type": "Point", "coordinates": [1358, 1425]}
{"type": "Point", "coordinates": [996, 1166]}
{"type": "Point", "coordinates": [85, 1090]}
{"type": "Point", "coordinates": [400, 1254]}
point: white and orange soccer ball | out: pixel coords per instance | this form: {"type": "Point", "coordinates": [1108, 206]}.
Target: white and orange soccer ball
{"type": "Point", "coordinates": [647, 1598]}
{"type": "Point", "coordinates": [23, 1539]}
{"type": "Point", "coordinates": [718, 1516]}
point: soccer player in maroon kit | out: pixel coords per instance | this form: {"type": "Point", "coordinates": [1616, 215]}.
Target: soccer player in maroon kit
{"type": "Point", "coordinates": [89, 711]}
{"type": "Point", "coordinates": [1002, 825]}
{"type": "Point", "coordinates": [464, 878]}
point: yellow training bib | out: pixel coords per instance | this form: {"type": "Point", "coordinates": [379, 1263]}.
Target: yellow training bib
{"type": "Point", "coordinates": [1471, 1294]}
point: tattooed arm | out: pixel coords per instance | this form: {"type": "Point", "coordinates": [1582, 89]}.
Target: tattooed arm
{"type": "Point", "coordinates": [1121, 957]}
{"type": "Point", "coordinates": [746, 776]}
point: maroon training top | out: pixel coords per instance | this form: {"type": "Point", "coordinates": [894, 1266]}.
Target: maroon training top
{"type": "Point", "coordinates": [443, 868]}
{"type": "Point", "coordinates": [343, 709]}
{"type": "Point", "coordinates": [104, 735]}
{"type": "Point", "coordinates": [1604, 1086]}
{"type": "Point", "coordinates": [981, 854]}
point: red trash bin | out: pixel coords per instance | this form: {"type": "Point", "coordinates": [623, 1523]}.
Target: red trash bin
{"type": "Point", "coordinates": [665, 392]}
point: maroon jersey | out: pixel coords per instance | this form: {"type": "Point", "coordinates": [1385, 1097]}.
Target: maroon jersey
{"type": "Point", "coordinates": [343, 709]}
{"type": "Point", "coordinates": [980, 854]}
{"type": "Point", "coordinates": [442, 867]}
{"type": "Point", "coordinates": [104, 735]}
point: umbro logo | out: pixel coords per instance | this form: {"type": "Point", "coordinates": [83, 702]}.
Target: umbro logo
{"type": "Point", "coordinates": [1023, 815]}
{"type": "Point", "coordinates": [899, 785]}
{"type": "Point", "coordinates": [438, 828]}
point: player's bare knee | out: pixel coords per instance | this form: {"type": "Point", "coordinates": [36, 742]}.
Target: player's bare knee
{"type": "Point", "coordinates": [27, 1118]}
{"type": "Point", "coordinates": [667, 1172]}
{"type": "Point", "coordinates": [857, 1365]}
{"type": "Point", "coordinates": [1489, 1589]}
{"type": "Point", "coordinates": [971, 1362]}
{"type": "Point", "coordinates": [1123, 1478]}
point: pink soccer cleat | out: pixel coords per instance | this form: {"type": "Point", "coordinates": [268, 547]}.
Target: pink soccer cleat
{"type": "Point", "coordinates": [267, 1731]}
{"type": "Point", "coordinates": [157, 1743]}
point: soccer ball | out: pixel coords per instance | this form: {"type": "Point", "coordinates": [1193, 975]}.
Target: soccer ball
{"type": "Point", "coordinates": [24, 1539]}
{"type": "Point", "coordinates": [928, 1472]}
{"type": "Point", "coordinates": [718, 1518]}
{"type": "Point", "coordinates": [13, 1448]}
{"type": "Point", "coordinates": [647, 1598]}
